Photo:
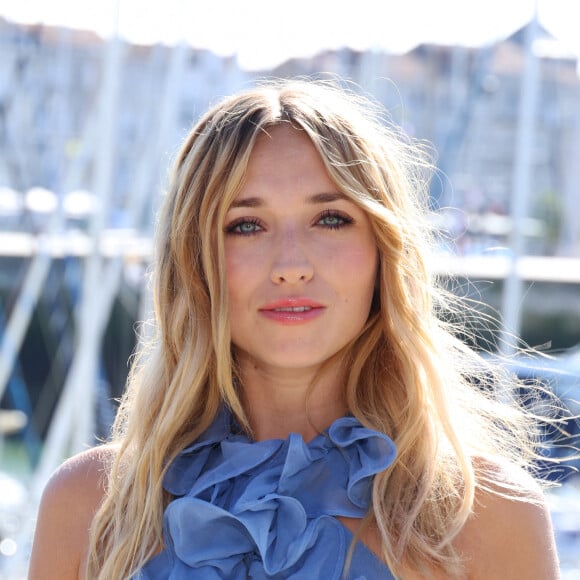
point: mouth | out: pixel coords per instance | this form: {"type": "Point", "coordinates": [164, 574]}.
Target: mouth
{"type": "Point", "coordinates": [292, 310]}
{"type": "Point", "coordinates": [292, 304]}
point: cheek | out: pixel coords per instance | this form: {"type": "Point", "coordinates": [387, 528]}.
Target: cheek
{"type": "Point", "coordinates": [363, 264]}
{"type": "Point", "coordinates": [236, 259]}
{"type": "Point", "coordinates": [242, 271]}
{"type": "Point", "coordinates": [358, 270]}
{"type": "Point", "coordinates": [233, 275]}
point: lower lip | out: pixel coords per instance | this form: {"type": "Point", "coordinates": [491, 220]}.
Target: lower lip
{"type": "Point", "coordinates": [292, 318]}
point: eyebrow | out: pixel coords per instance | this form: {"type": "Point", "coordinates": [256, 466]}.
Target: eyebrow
{"type": "Point", "coordinates": [313, 199]}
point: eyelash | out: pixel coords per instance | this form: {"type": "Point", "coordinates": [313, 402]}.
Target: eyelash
{"type": "Point", "coordinates": [343, 219]}
{"type": "Point", "coordinates": [231, 228]}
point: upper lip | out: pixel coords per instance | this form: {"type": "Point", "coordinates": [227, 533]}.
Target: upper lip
{"type": "Point", "coordinates": [291, 302]}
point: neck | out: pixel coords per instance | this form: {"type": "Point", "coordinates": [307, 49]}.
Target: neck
{"type": "Point", "coordinates": [280, 402]}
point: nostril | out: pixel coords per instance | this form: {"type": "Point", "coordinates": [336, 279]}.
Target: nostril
{"type": "Point", "coordinates": [292, 274]}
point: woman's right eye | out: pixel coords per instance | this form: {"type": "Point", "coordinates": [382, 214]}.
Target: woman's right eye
{"type": "Point", "coordinates": [244, 227]}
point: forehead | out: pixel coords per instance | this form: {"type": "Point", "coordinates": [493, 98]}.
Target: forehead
{"type": "Point", "coordinates": [283, 140]}
{"type": "Point", "coordinates": [284, 157]}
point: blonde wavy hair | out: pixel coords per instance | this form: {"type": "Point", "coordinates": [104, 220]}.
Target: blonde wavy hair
{"type": "Point", "coordinates": [409, 376]}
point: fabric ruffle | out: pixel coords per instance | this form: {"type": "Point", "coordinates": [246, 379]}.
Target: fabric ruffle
{"type": "Point", "coordinates": [266, 509]}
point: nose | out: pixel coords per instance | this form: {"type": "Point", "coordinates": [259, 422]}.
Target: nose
{"type": "Point", "coordinates": [291, 264]}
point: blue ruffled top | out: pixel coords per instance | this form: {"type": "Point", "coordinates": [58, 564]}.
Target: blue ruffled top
{"type": "Point", "coordinates": [246, 509]}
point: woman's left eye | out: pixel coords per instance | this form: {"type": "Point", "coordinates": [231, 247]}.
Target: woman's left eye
{"type": "Point", "coordinates": [333, 220]}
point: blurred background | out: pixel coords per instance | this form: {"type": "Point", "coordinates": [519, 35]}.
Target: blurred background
{"type": "Point", "coordinates": [94, 101]}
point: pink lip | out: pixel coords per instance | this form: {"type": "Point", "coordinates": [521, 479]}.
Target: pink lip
{"type": "Point", "coordinates": [279, 310]}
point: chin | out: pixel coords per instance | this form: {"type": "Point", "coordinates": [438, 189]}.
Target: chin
{"type": "Point", "coordinates": [290, 362]}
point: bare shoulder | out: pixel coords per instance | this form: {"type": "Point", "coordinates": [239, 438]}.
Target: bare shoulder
{"type": "Point", "coordinates": [69, 502]}
{"type": "Point", "coordinates": [80, 481]}
{"type": "Point", "coordinates": [509, 535]}
{"type": "Point", "coordinates": [88, 470]}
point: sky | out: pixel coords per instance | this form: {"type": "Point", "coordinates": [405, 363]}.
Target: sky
{"type": "Point", "coordinates": [264, 33]}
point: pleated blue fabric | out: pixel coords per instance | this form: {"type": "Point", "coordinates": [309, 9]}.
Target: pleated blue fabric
{"type": "Point", "coordinates": [266, 509]}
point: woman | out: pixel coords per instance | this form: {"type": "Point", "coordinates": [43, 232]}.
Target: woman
{"type": "Point", "coordinates": [304, 410]}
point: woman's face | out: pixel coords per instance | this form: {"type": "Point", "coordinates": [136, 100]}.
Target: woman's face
{"type": "Point", "coordinates": [301, 259]}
